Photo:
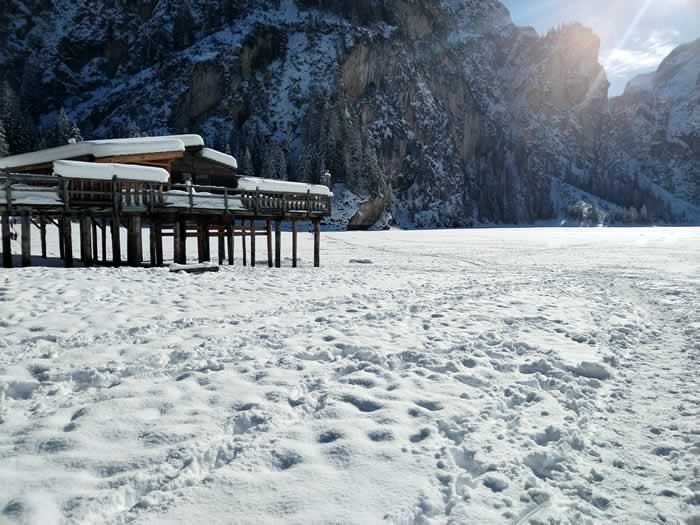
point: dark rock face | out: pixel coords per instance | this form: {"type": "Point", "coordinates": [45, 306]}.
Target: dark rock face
{"type": "Point", "coordinates": [656, 124]}
{"type": "Point", "coordinates": [442, 112]}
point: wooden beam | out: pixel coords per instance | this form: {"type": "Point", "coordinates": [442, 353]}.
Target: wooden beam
{"type": "Point", "coordinates": [164, 156]}
{"type": "Point", "coordinates": [6, 241]}
{"type": "Point", "coordinates": [26, 239]}
{"type": "Point", "coordinates": [294, 244]}
{"type": "Point", "coordinates": [278, 244]}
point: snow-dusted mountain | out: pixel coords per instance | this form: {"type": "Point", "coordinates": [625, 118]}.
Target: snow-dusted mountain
{"type": "Point", "coordinates": [657, 123]}
{"type": "Point", "coordinates": [442, 112]}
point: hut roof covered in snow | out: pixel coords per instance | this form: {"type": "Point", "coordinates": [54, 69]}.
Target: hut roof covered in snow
{"type": "Point", "coordinates": [101, 149]}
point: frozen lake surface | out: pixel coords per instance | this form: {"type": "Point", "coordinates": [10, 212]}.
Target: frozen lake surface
{"type": "Point", "coordinates": [479, 376]}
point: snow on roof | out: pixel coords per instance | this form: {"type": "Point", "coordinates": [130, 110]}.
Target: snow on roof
{"type": "Point", "coordinates": [218, 157]}
{"type": "Point", "coordinates": [71, 169]}
{"type": "Point", "coordinates": [253, 183]}
{"type": "Point", "coordinates": [105, 148]}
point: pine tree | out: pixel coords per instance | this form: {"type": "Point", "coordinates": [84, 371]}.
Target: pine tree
{"type": "Point", "coordinates": [248, 164]}
{"type": "Point", "coordinates": [74, 134]}
{"type": "Point", "coordinates": [4, 147]}
{"type": "Point", "coordinates": [62, 128]}
{"type": "Point", "coordinates": [133, 130]}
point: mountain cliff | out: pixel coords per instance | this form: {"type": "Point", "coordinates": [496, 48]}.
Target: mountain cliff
{"type": "Point", "coordinates": [431, 113]}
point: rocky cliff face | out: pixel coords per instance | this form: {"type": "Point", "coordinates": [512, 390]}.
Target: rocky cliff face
{"type": "Point", "coordinates": [656, 124]}
{"type": "Point", "coordinates": [440, 111]}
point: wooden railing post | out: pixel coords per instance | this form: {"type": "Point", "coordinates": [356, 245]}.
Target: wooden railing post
{"type": "Point", "coordinates": [42, 235]}
{"type": "Point", "coordinates": [278, 243]}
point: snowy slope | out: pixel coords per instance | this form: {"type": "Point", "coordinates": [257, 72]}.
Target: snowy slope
{"type": "Point", "coordinates": [476, 376]}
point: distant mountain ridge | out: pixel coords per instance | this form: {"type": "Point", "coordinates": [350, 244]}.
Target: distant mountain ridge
{"type": "Point", "coordinates": [433, 113]}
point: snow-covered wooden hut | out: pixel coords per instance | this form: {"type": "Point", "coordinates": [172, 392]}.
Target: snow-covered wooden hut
{"type": "Point", "coordinates": [174, 183]}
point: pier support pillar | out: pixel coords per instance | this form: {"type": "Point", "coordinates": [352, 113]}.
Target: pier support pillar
{"type": "Point", "coordinates": [67, 227]}
{"type": "Point", "coordinates": [294, 244]}
{"type": "Point", "coordinates": [61, 242]}
{"type": "Point", "coordinates": [245, 250]}
{"type": "Point", "coordinates": [157, 230]}
{"type": "Point", "coordinates": [221, 236]}
{"type": "Point", "coordinates": [6, 241]}
{"type": "Point", "coordinates": [252, 242]}
{"type": "Point", "coordinates": [95, 248]}
{"type": "Point", "coordinates": [317, 243]}
{"type": "Point", "coordinates": [26, 239]}
{"type": "Point", "coordinates": [42, 235]}
{"type": "Point", "coordinates": [278, 244]}
{"type": "Point", "coordinates": [230, 231]}
{"type": "Point", "coordinates": [180, 236]}
{"type": "Point", "coordinates": [268, 231]}
{"type": "Point", "coordinates": [203, 241]}
{"type": "Point", "coordinates": [116, 240]}
{"type": "Point", "coordinates": [134, 244]}
{"type": "Point", "coordinates": [85, 241]}
{"type": "Point", "coordinates": [104, 239]}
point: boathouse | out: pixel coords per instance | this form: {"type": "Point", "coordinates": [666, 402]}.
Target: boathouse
{"type": "Point", "coordinates": [173, 185]}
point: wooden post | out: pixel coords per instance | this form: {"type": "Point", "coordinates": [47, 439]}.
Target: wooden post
{"type": "Point", "coordinates": [222, 244]}
{"type": "Point", "coordinates": [42, 234]}
{"type": "Point", "coordinates": [152, 243]}
{"type": "Point", "coordinates": [203, 244]}
{"type": "Point", "coordinates": [181, 240]}
{"type": "Point", "coordinates": [268, 230]}
{"type": "Point", "coordinates": [317, 243]}
{"type": "Point", "coordinates": [85, 241]}
{"type": "Point", "coordinates": [68, 242]}
{"type": "Point", "coordinates": [61, 243]}
{"type": "Point", "coordinates": [134, 243]}
{"type": "Point", "coordinates": [104, 239]}
{"type": "Point", "coordinates": [26, 238]}
{"type": "Point", "coordinates": [278, 244]}
{"type": "Point", "coordinates": [294, 244]}
{"type": "Point", "coordinates": [6, 241]}
{"type": "Point", "coordinates": [229, 238]}
{"type": "Point", "coordinates": [252, 242]}
{"type": "Point", "coordinates": [95, 249]}
{"type": "Point", "coordinates": [158, 231]}
{"type": "Point", "coordinates": [116, 240]}
{"type": "Point", "coordinates": [245, 251]}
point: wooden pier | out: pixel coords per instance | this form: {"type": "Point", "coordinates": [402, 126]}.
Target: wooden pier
{"type": "Point", "coordinates": [176, 211]}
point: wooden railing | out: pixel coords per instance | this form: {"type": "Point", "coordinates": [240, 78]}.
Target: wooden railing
{"type": "Point", "coordinates": [260, 201]}
{"type": "Point", "coordinates": [122, 193]}
{"type": "Point", "coordinates": [39, 184]}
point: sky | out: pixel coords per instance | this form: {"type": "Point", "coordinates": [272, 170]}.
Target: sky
{"type": "Point", "coordinates": [636, 35]}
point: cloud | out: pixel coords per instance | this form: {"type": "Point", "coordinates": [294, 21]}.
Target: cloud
{"type": "Point", "coordinates": [645, 55]}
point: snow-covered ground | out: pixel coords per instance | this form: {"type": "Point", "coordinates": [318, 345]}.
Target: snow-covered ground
{"type": "Point", "coordinates": [482, 376]}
